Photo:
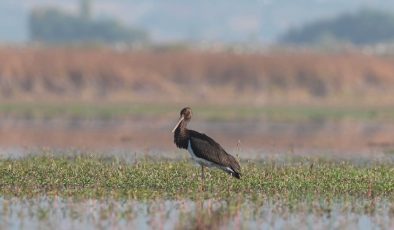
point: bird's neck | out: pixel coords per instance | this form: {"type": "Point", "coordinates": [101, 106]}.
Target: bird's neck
{"type": "Point", "coordinates": [181, 135]}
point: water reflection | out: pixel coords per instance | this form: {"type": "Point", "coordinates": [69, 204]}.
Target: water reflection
{"type": "Point", "coordinates": [96, 134]}
{"type": "Point", "coordinates": [59, 213]}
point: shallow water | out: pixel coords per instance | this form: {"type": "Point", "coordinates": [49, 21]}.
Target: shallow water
{"type": "Point", "coordinates": [99, 134]}
{"type": "Point", "coordinates": [51, 213]}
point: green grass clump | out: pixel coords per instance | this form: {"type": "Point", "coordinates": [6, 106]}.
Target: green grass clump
{"type": "Point", "coordinates": [94, 178]}
{"type": "Point", "coordinates": [231, 112]}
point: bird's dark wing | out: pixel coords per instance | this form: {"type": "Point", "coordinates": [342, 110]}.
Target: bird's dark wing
{"type": "Point", "coordinates": [206, 148]}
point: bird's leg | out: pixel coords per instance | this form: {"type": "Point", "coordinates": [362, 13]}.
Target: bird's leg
{"type": "Point", "coordinates": [202, 177]}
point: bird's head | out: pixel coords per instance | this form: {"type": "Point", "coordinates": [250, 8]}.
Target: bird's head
{"type": "Point", "coordinates": [185, 115]}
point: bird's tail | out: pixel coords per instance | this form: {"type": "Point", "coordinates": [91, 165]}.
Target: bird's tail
{"type": "Point", "coordinates": [236, 175]}
{"type": "Point", "coordinates": [235, 167]}
{"type": "Point", "coordinates": [232, 172]}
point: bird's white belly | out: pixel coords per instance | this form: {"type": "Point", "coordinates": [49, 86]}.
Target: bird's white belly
{"type": "Point", "coordinates": [200, 161]}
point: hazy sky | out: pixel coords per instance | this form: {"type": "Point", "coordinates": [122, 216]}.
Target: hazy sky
{"type": "Point", "coordinates": [203, 20]}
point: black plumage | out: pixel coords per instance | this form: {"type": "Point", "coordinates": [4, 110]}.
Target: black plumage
{"type": "Point", "coordinates": [203, 149]}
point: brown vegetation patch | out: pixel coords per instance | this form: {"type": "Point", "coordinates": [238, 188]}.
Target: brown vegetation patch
{"type": "Point", "coordinates": [97, 74]}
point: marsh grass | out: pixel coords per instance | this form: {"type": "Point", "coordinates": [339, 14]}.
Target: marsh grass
{"type": "Point", "coordinates": [91, 177]}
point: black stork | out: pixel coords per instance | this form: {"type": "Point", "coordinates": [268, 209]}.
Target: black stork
{"type": "Point", "coordinates": [203, 149]}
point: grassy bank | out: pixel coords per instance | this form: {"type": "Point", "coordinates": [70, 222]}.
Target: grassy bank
{"type": "Point", "coordinates": [88, 177]}
{"type": "Point", "coordinates": [205, 112]}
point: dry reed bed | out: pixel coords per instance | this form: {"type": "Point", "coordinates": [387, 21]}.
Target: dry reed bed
{"type": "Point", "coordinates": [64, 73]}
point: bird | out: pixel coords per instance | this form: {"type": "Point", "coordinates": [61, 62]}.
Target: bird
{"type": "Point", "coordinates": [203, 149]}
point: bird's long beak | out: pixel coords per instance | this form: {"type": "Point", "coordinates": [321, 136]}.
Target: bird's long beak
{"type": "Point", "coordinates": [177, 124]}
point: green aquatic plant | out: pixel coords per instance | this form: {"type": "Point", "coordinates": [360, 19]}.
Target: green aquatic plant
{"type": "Point", "coordinates": [91, 177]}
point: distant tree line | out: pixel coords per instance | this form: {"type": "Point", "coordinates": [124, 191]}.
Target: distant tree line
{"type": "Point", "coordinates": [52, 25]}
{"type": "Point", "coordinates": [361, 28]}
